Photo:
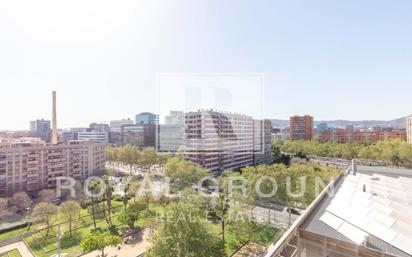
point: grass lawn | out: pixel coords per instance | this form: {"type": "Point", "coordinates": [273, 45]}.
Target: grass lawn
{"type": "Point", "coordinates": [265, 235]}
{"type": "Point", "coordinates": [85, 216]}
{"type": "Point", "coordinates": [70, 245]}
{"type": "Point", "coordinates": [83, 226]}
{"type": "Point", "coordinates": [234, 239]}
{"type": "Point", "coordinates": [12, 253]}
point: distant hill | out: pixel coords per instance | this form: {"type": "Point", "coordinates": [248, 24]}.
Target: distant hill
{"type": "Point", "coordinates": [397, 123]}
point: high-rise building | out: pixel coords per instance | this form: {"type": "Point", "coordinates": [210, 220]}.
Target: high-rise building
{"type": "Point", "coordinates": [99, 127]}
{"type": "Point", "coordinates": [115, 134]}
{"type": "Point", "coordinates": [142, 135]}
{"type": "Point", "coordinates": [409, 129]}
{"type": "Point", "coordinates": [219, 141]}
{"type": "Point", "coordinates": [41, 129]}
{"type": "Point", "coordinates": [116, 125]}
{"type": "Point", "coordinates": [147, 118]}
{"type": "Point", "coordinates": [321, 127]}
{"type": "Point", "coordinates": [171, 138]}
{"type": "Point", "coordinates": [175, 118]}
{"type": "Point", "coordinates": [301, 127]}
{"type": "Point", "coordinates": [262, 141]}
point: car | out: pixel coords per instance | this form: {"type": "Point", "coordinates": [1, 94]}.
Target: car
{"type": "Point", "coordinates": [283, 226]}
{"type": "Point", "coordinates": [293, 211]}
{"type": "Point", "coordinates": [57, 201]}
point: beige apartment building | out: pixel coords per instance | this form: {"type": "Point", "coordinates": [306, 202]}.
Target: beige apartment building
{"type": "Point", "coordinates": [409, 129]}
{"type": "Point", "coordinates": [32, 166]}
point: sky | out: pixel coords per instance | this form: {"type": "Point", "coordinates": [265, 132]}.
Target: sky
{"type": "Point", "coordinates": [110, 60]}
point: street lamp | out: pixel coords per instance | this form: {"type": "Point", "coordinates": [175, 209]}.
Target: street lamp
{"type": "Point", "coordinates": [59, 237]}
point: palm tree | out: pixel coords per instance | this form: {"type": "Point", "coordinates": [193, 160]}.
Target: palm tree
{"type": "Point", "coordinates": [222, 209]}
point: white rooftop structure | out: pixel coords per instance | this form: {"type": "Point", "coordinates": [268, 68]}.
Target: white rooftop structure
{"type": "Point", "coordinates": [373, 208]}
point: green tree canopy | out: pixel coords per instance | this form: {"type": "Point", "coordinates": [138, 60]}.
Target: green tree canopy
{"type": "Point", "coordinates": [69, 210]}
{"type": "Point", "coordinates": [183, 233]}
{"type": "Point", "coordinates": [183, 173]}
{"type": "Point", "coordinates": [44, 213]}
{"type": "Point", "coordinates": [99, 241]}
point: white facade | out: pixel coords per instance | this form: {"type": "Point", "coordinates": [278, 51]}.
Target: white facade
{"type": "Point", "coordinates": [116, 125]}
{"type": "Point", "coordinates": [175, 118]}
{"type": "Point", "coordinates": [170, 138]}
{"type": "Point", "coordinates": [99, 137]}
{"type": "Point", "coordinates": [219, 141]}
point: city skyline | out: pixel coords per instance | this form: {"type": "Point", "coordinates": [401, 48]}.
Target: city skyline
{"type": "Point", "coordinates": [205, 128]}
{"type": "Point", "coordinates": [86, 124]}
{"type": "Point", "coordinates": [104, 62]}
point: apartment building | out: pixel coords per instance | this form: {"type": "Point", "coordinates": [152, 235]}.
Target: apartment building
{"type": "Point", "coordinates": [34, 165]}
{"type": "Point", "coordinates": [262, 140]}
{"type": "Point", "coordinates": [347, 136]}
{"type": "Point", "coordinates": [175, 118]}
{"type": "Point", "coordinates": [222, 141]}
{"type": "Point", "coordinates": [409, 129]}
{"type": "Point", "coordinates": [115, 134]}
{"type": "Point", "coordinates": [41, 129]}
{"type": "Point", "coordinates": [99, 127]}
{"type": "Point", "coordinates": [142, 135]}
{"type": "Point", "coordinates": [116, 125]}
{"type": "Point", "coordinates": [170, 138]}
{"type": "Point", "coordinates": [301, 127]}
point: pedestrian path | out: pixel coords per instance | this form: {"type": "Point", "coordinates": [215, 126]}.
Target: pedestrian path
{"type": "Point", "coordinates": [20, 246]}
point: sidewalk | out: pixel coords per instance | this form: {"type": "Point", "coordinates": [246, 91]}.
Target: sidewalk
{"type": "Point", "coordinates": [20, 246]}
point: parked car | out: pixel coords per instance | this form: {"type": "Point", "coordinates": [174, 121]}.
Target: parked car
{"type": "Point", "coordinates": [57, 201]}
{"type": "Point", "coordinates": [293, 211]}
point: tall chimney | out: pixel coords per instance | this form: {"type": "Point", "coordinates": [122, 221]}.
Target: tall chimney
{"type": "Point", "coordinates": [54, 140]}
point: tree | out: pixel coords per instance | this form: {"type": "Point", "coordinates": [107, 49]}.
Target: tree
{"type": "Point", "coordinates": [108, 195]}
{"type": "Point", "coordinates": [130, 215]}
{"type": "Point", "coordinates": [163, 200]}
{"type": "Point", "coordinates": [21, 200]}
{"type": "Point", "coordinates": [129, 155]}
{"type": "Point", "coordinates": [69, 210]}
{"type": "Point", "coordinates": [148, 158]}
{"type": "Point", "coordinates": [4, 208]}
{"type": "Point", "coordinates": [47, 195]}
{"type": "Point", "coordinates": [183, 173]}
{"type": "Point", "coordinates": [126, 191]}
{"type": "Point", "coordinates": [111, 154]}
{"type": "Point", "coordinates": [134, 188]}
{"type": "Point", "coordinates": [44, 213]}
{"type": "Point", "coordinates": [94, 188]}
{"type": "Point", "coordinates": [182, 233]}
{"type": "Point", "coordinates": [222, 209]}
{"type": "Point", "coordinates": [162, 159]}
{"type": "Point", "coordinates": [99, 241]}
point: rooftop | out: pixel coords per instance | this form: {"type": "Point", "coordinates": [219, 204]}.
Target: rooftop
{"type": "Point", "coordinates": [372, 210]}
